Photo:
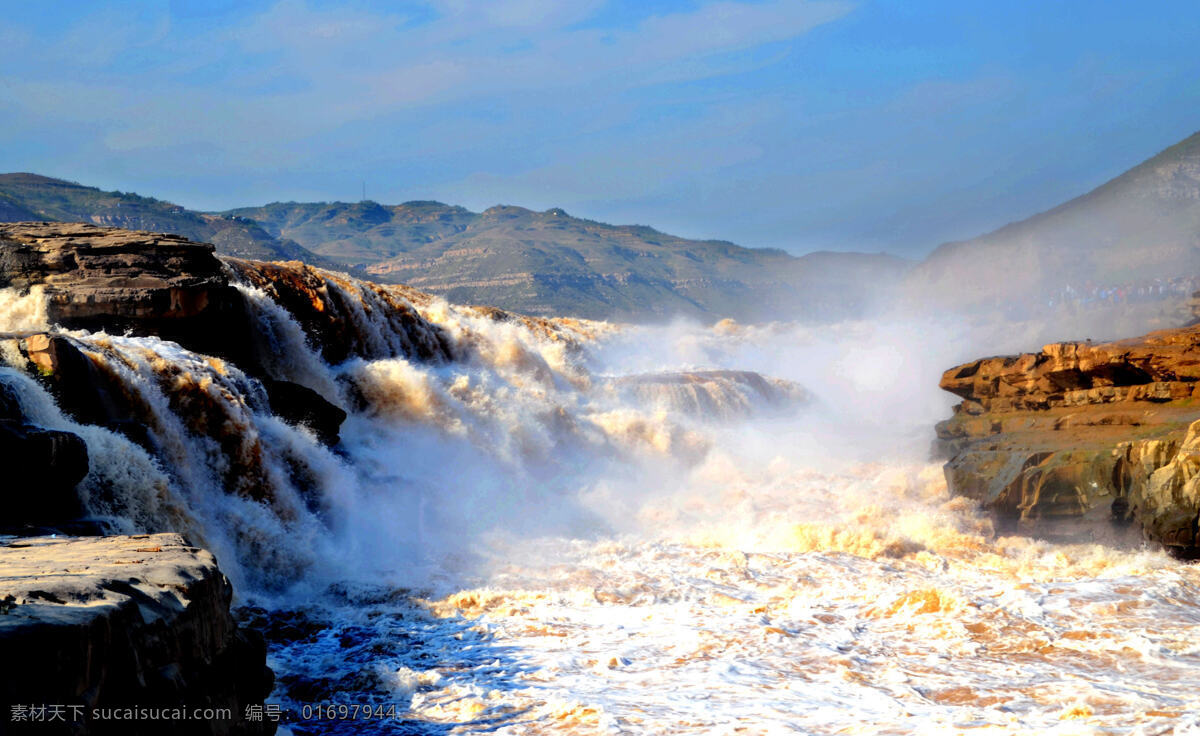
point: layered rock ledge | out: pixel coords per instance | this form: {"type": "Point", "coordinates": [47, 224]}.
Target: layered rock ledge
{"type": "Point", "coordinates": [1084, 439]}
{"type": "Point", "coordinates": [147, 284]}
{"type": "Point", "coordinates": [93, 625]}
{"type": "Point", "coordinates": [98, 278]}
{"type": "Point", "coordinates": [722, 394]}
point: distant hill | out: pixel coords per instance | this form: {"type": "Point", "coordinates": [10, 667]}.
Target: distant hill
{"type": "Point", "coordinates": [541, 263]}
{"type": "Point", "coordinates": [552, 263]}
{"type": "Point", "coordinates": [360, 233]}
{"type": "Point", "coordinates": [1142, 225]}
{"type": "Point", "coordinates": [33, 197]}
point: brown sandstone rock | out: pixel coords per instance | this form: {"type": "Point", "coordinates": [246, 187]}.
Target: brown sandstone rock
{"type": "Point", "coordinates": [722, 394]}
{"type": "Point", "coordinates": [113, 622]}
{"type": "Point", "coordinates": [83, 389]}
{"type": "Point", "coordinates": [1080, 435]}
{"type": "Point", "coordinates": [99, 278]}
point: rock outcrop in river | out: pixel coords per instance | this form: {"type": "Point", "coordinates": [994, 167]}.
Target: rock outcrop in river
{"type": "Point", "coordinates": [1084, 438]}
{"type": "Point", "coordinates": [140, 283]}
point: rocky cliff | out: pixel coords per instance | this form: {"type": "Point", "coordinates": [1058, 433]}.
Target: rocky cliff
{"type": "Point", "coordinates": [98, 278]}
{"type": "Point", "coordinates": [1084, 439]}
{"type": "Point", "coordinates": [93, 626]}
{"type": "Point", "coordinates": [141, 283]}
{"type": "Point", "coordinates": [100, 623]}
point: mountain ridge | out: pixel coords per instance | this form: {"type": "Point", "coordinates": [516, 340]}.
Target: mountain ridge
{"type": "Point", "coordinates": [542, 263]}
{"type": "Point", "coordinates": [1138, 227]}
{"type": "Point", "coordinates": [549, 262]}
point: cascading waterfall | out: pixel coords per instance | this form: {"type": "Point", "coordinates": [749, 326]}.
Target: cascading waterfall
{"type": "Point", "coordinates": [458, 422]}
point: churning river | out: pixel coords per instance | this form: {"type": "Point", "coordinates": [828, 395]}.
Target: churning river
{"type": "Point", "coordinates": [575, 528]}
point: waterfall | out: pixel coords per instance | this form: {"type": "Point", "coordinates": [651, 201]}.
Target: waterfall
{"type": "Point", "coordinates": [459, 421]}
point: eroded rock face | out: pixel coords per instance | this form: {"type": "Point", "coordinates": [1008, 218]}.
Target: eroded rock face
{"type": "Point", "coordinates": [302, 405]}
{"type": "Point", "coordinates": [84, 389]}
{"type": "Point", "coordinates": [1084, 437]}
{"type": "Point", "coordinates": [110, 622]}
{"type": "Point", "coordinates": [99, 278]}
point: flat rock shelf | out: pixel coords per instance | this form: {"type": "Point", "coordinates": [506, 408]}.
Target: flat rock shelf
{"type": "Point", "coordinates": [123, 634]}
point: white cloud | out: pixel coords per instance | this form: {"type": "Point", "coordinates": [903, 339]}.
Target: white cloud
{"type": "Point", "coordinates": [97, 39]}
{"type": "Point", "coordinates": [727, 26]}
{"type": "Point", "coordinates": [519, 13]}
{"type": "Point", "coordinates": [308, 33]}
{"type": "Point", "coordinates": [352, 65]}
{"type": "Point", "coordinates": [481, 48]}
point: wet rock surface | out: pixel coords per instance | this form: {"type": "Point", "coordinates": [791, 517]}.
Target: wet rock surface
{"type": "Point", "coordinates": [143, 283]}
{"type": "Point", "coordinates": [41, 469]}
{"type": "Point", "coordinates": [83, 388]}
{"type": "Point", "coordinates": [302, 405]}
{"type": "Point", "coordinates": [1084, 439]}
{"type": "Point", "coordinates": [103, 623]}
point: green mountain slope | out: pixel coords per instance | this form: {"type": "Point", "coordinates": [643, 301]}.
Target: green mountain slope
{"type": "Point", "coordinates": [552, 263]}
{"type": "Point", "coordinates": [1143, 224]}
{"type": "Point", "coordinates": [34, 197]}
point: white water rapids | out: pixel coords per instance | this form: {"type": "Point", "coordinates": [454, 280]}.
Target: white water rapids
{"type": "Point", "coordinates": [572, 528]}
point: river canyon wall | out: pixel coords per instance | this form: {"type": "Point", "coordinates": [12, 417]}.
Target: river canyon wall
{"type": "Point", "coordinates": [1084, 439]}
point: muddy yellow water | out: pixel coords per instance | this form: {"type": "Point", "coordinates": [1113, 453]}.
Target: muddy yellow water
{"type": "Point", "coordinates": [745, 616]}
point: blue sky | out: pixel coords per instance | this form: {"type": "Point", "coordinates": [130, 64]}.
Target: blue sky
{"type": "Point", "coordinates": [800, 125]}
